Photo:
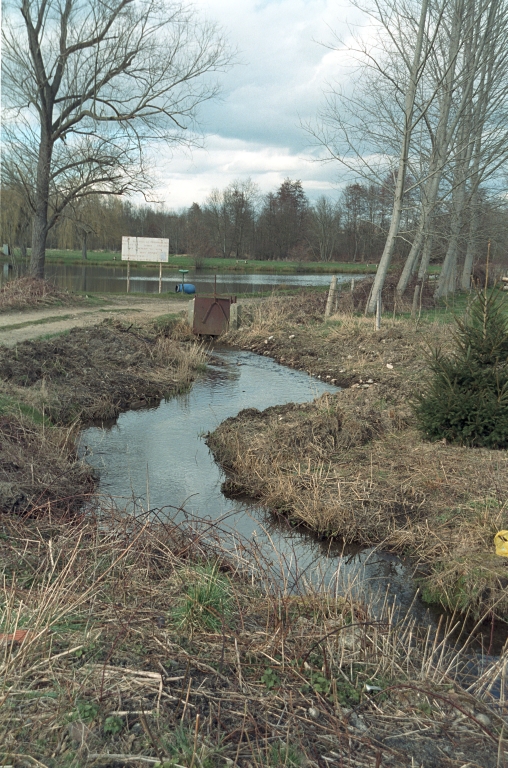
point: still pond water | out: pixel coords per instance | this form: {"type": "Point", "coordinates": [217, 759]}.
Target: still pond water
{"type": "Point", "coordinates": [157, 459]}
{"type": "Point", "coordinates": [113, 280]}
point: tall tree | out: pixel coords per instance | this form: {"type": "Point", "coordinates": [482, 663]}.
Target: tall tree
{"type": "Point", "coordinates": [325, 220]}
{"type": "Point", "coordinates": [89, 86]}
{"type": "Point", "coordinates": [284, 219]}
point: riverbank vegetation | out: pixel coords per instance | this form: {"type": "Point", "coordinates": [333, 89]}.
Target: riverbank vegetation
{"type": "Point", "coordinates": [353, 464]}
{"type": "Point", "coordinates": [50, 387]}
{"type": "Point", "coordinates": [27, 293]}
{"type": "Point", "coordinates": [139, 641]}
{"type": "Point", "coordinates": [136, 642]}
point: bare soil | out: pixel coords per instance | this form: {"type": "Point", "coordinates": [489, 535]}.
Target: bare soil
{"type": "Point", "coordinates": [50, 387]}
{"type": "Point", "coordinates": [35, 322]}
{"type": "Point", "coordinates": [353, 466]}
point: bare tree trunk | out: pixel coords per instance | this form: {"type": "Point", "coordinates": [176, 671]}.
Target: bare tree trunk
{"type": "Point", "coordinates": [471, 249]}
{"type": "Point", "coordinates": [40, 218]}
{"type": "Point", "coordinates": [426, 254]}
{"type": "Point", "coordinates": [84, 238]}
{"type": "Point", "coordinates": [441, 142]}
{"type": "Point", "coordinates": [409, 104]}
{"type": "Point", "coordinates": [412, 258]}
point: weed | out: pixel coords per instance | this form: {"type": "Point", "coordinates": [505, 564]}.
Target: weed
{"type": "Point", "coordinates": [269, 678]}
{"type": "Point", "coordinates": [206, 605]}
{"type": "Point", "coordinates": [186, 748]}
{"type": "Point", "coordinates": [284, 755]}
{"type": "Point", "coordinates": [86, 711]}
{"type": "Point", "coordinates": [113, 725]}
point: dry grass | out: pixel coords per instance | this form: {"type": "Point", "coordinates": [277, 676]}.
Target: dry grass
{"type": "Point", "coordinates": [29, 293]}
{"type": "Point", "coordinates": [40, 472]}
{"type": "Point", "coordinates": [353, 466]}
{"type": "Point", "coordinates": [104, 673]}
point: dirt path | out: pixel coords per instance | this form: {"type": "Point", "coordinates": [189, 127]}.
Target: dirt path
{"type": "Point", "coordinates": [19, 325]}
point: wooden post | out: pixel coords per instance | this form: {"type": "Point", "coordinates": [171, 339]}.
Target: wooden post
{"type": "Point", "coordinates": [331, 296]}
{"type": "Point", "coordinates": [378, 312]}
{"type": "Point", "coordinates": [352, 284]}
{"type": "Point", "coordinates": [128, 276]}
{"type": "Point", "coordinates": [416, 295]}
{"type": "Point", "coordinates": [337, 297]}
{"type": "Point", "coordinates": [160, 276]}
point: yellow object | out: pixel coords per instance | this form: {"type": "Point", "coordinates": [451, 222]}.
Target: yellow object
{"type": "Point", "coordinates": [501, 543]}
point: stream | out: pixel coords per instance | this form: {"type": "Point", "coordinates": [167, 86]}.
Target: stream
{"type": "Point", "coordinates": [157, 459]}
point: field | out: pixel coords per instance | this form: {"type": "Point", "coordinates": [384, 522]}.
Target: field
{"type": "Point", "coordinates": [113, 259]}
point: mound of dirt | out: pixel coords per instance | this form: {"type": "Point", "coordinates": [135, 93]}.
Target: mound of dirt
{"type": "Point", "coordinates": [89, 374]}
{"type": "Point", "coordinates": [356, 300]}
{"type": "Point", "coordinates": [27, 292]}
{"type": "Point", "coordinates": [40, 472]}
{"type": "Point", "coordinates": [95, 373]}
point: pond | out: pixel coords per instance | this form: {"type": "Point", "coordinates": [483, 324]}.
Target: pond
{"type": "Point", "coordinates": [77, 277]}
{"type": "Point", "coordinates": [157, 458]}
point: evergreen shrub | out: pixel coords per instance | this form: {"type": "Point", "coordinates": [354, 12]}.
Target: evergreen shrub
{"type": "Point", "coordinates": [465, 399]}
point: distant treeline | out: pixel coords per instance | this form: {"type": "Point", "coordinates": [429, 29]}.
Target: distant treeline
{"type": "Point", "coordinates": [239, 222]}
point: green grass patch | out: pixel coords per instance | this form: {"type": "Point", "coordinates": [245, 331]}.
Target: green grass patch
{"type": "Point", "coordinates": [11, 405]}
{"type": "Point", "coordinates": [40, 321]}
{"type": "Point", "coordinates": [207, 602]}
{"type": "Point", "coordinates": [182, 261]}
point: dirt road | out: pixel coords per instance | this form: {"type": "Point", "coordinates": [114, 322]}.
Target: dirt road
{"type": "Point", "coordinates": [20, 325]}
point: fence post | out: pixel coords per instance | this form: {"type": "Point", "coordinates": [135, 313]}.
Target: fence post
{"type": "Point", "coordinates": [378, 312]}
{"type": "Point", "coordinates": [416, 295]}
{"type": "Point", "coordinates": [331, 296]}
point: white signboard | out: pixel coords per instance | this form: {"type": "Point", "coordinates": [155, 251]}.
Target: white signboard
{"type": "Point", "coordinates": [145, 249]}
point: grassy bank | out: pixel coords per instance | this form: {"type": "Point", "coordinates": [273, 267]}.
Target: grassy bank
{"type": "Point", "coordinates": [113, 259]}
{"type": "Point", "coordinates": [126, 642]}
{"type": "Point", "coordinates": [353, 465]}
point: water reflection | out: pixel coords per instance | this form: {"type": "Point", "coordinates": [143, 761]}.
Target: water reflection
{"type": "Point", "coordinates": [94, 279]}
{"type": "Point", "coordinates": [157, 458]}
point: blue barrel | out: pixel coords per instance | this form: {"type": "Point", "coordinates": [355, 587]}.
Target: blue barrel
{"type": "Point", "coordinates": [185, 288]}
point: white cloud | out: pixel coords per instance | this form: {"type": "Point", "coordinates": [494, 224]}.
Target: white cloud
{"type": "Point", "coordinates": [254, 130]}
{"type": "Point", "coordinates": [189, 179]}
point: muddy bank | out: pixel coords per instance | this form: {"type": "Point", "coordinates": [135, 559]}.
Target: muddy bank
{"type": "Point", "coordinates": [49, 388]}
{"type": "Point", "coordinates": [353, 465]}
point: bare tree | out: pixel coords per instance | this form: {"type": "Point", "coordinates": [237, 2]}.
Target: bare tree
{"type": "Point", "coordinates": [89, 87]}
{"type": "Point", "coordinates": [325, 226]}
{"type": "Point", "coordinates": [406, 38]}
{"type": "Point", "coordinates": [421, 108]}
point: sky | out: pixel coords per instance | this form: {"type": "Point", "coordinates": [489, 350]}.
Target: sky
{"type": "Point", "coordinates": [253, 130]}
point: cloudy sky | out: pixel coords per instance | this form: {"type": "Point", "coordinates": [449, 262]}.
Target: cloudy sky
{"type": "Point", "coordinates": [254, 129]}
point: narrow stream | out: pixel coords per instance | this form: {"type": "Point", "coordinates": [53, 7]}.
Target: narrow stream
{"type": "Point", "coordinates": [157, 458]}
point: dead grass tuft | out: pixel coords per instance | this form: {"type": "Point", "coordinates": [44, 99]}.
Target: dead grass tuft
{"type": "Point", "coordinates": [40, 472]}
{"type": "Point", "coordinates": [28, 293]}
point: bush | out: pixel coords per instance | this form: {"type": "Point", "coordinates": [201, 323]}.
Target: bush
{"type": "Point", "coordinates": [465, 400]}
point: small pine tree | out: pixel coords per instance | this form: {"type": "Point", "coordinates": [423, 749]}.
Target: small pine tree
{"type": "Point", "coordinates": [466, 398]}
